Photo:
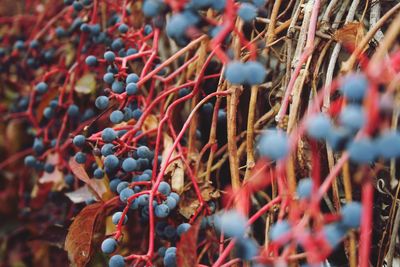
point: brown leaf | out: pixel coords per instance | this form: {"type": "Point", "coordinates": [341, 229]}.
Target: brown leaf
{"type": "Point", "coordinates": [98, 187]}
{"type": "Point", "coordinates": [174, 170]}
{"type": "Point", "coordinates": [188, 207]}
{"type": "Point", "coordinates": [351, 34]}
{"type": "Point", "coordinates": [186, 252]}
{"type": "Point", "coordinates": [79, 239]}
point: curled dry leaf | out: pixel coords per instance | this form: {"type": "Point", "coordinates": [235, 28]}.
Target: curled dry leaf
{"type": "Point", "coordinates": [79, 240]}
{"type": "Point", "coordinates": [350, 34]}
{"type": "Point", "coordinates": [174, 170]}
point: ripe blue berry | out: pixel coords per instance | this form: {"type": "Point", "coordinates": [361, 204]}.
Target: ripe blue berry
{"type": "Point", "coordinates": [246, 248]}
{"type": "Point", "coordinates": [304, 188]}
{"type": "Point", "coordinates": [129, 165]}
{"type": "Point", "coordinates": [108, 135]}
{"type": "Point", "coordinates": [388, 145]}
{"type": "Point", "coordinates": [354, 86]}
{"type": "Point", "coordinates": [30, 161]}
{"type": "Point", "coordinates": [73, 111]}
{"type": "Point", "coordinates": [177, 25]}
{"type": "Point", "coordinates": [161, 251]}
{"type": "Point", "coordinates": [352, 117]}
{"type": "Point", "coordinates": [164, 188]}
{"type": "Point", "coordinates": [170, 202]}
{"type": "Point", "coordinates": [143, 200]}
{"type": "Point", "coordinates": [274, 145]}
{"type": "Point", "coordinates": [131, 51]}
{"type": "Point", "coordinates": [247, 12]}
{"type": "Point", "coordinates": [80, 157]}
{"type": "Point", "coordinates": [117, 217]}
{"type": "Point", "coordinates": [111, 162]}
{"type": "Point", "coordinates": [121, 186]}
{"type": "Point", "coordinates": [48, 112]}
{"type": "Point", "coordinates": [183, 92]}
{"type": "Point", "coordinates": [169, 232]}
{"type": "Point", "coordinates": [38, 145]}
{"type": "Point", "coordinates": [91, 61]}
{"type": "Point", "coordinates": [151, 8]}
{"type": "Point", "coordinates": [362, 151]}
{"type": "Point", "coordinates": [170, 260]}
{"type": "Point", "coordinates": [143, 152]}
{"type": "Point", "coordinates": [79, 140]}
{"type": "Point", "coordinates": [351, 215]}
{"type": "Point", "coordinates": [77, 6]}
{"type": "Point", "coordinates": [116, 261]}
{"type": "Point", "coordinates": [109, 245]}
{"type": "Point", "coordinates": [255, 72]}
{"type": "Point", "coordinates": [259, 3]}
{"type": "Point", "coordinates": [69, 179]}
{"type": "Point", "coordinates": [117, 44]}
{"type": "Point", "coordinates": [175, 196]}
{"type": "Point", "coordinates": [49, 168]}
{"type": "Point", "coordinates": [131, 89]}
{"type": "Point", "coordinates": [98, 173]}
{"type": "Point", "coordinates": [41, 87]}
{"type": "Point", "coordinates": [117, 87]}
{"type": "Point", "coordinates": [109, 56]}
{"type": "Point", "coordinates": [319, 126]}
{"type": "Point", "coordinates": [235, 72]}
{"type": "Point", "coordinates": [125, 194]}
{"type": "Point", "coordinates": [113, 185]}
{"type": "Point", "coordinates": [108, 78]}
{"type": "Point", "coordinates": [116, 116]}
{"type": "Point", "coordinates": [161, 211]}
{"type": "Point", "coordinates": [132, 78]}
{"type": "Point", "coordinates": [107, 149]}
{"type": "Point", "coordinates": [333, 234]}
{"type": "Point", "coordinates": [170, 250]}
{"type": "Point", "coordinates": [123, 28]}
{"type": "Point", "coordinates": [102, 102]}
{"type": "Point", "coordinates": [279, 229]}
{"type": "Point", "coordinates": [182, 228]}
{"type": "Point", "coordinates": [232, 223]}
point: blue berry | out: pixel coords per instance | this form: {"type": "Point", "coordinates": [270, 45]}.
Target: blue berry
{"type": "Point", "coordinates": [170, 260]}
{"type": "Point", "coordinates": [49, 168]}
{"type": "Point", "coordinates": [218, 5]}
{"type": "Point", "coordinates": [20, 45]}
{"type": "Point", "coordinates": [161, 251]}
{"type": "Point", "coordinates": [132, 78]}
{"type": "Point", "coordinates": [129, 165]}
{"type": "Point", "coordinates": [116, 116]}
{"type": "Point", "coordinates": [164, 188]}
{"type": "Point", "coordinates": [117, 217]}
{"type": "Point", "coordinates": [102, 102]}
{"type": "Point", "coordinates": [69, 179]}
{"type": "Point", "coordinates": [131, 89]}
{"type": "Point", "coordinates": [123, 28]}
{"type": "Point", "coordinates": [177, 25]}
{"type": "Point", "coordinates": [91, 61]}
{"type": "Point", "coordinates": [334, 234]}
{"type": "Point", "coordinates": [131, 51]}
{"type": "Point", "coordinates": [98, 173]}
{"type": "Point", "coordinates": [274, 145]}
{"type": "Point", "coordinates": [109, 56]}
{"type": "Point", "coordinates": [48, 112]}
{"type": "Point", "coordinates": [255, 72]}
{"type": "Point", "coordinates": [107, 149]}
{"type": "Point", "coordinates": [108, 135]}
{"type": "Point", "coordinates": [80, 157]}
{"type": "Point", "coordinates": [161, 211]}
{"type": "Point", "coordinates": [125, 194]}
{"type": "Point", "coordinates": [143, 200]}
{"type": "Point", "coordinates": [109, 245]}
{"type": "Point", "coordinates": [136, 114]}
{"type": "Point", "coordinates": [232, 223]}
{"type": "Point", "coordinates": [247, 12]}
{"type": "Point", "coordinates": [319, 126]}
{"type": "Point", "coordinates": [304, 188]}
{"type": "Point", "coordinates": [170, 202]}
{"type": "Point", "coordinates": [117, 44]}
{"type": "Point", "coordinates": [175, 196]}
{"type": "Point", "coordinates": [235, 72]}
{"type": "Point", "coordinates": [354, 87]}
{"type": "Point", "coordinates": [147, 29]}
{"type": "Point", "coordinates": [108, 78]}
{"type": "Point", "coordinates": [85, 27]}
{"type": "Point", "coordinates": [117, 87]}
{"type": "Point", "coordinates": [259, 3]}
{"type": "Point", "coordinates": [169, 232]}
{"type": "Point", "coordinates": [182, 228]}
{"type": "Point", "coordinates": [111, 162]}
{"type": "Point", "coordinates": [77, 6]}
{"type": "Point", "coordinates": [116, 261]}
{"type": "Point", "coordinates": [279, 229]}
{"type": "Point", "coordinates": [362, 151]}
{"type": "Point", "coordinates": [183, 92]}
{"type": "Point", "coordinates": [73, 111]}
{"type": "Point", "coordinates": [246, 248]}
{"type": "Point", "coordinates": [151, 8]}
{"type": "Point", "coordinates": [38, 145]}
{"type": "Point", "coordinates": [351, 215]}
{"type": "Point", "coordinates": [30, 161]}
{"type": "Point", "coordinates": [113, 184]}
{"type": "Point", "coordinates": [352, 117]}
{"type": "Point", "coordinates": [121, 186]}
{"type": "Point", "coordinates": [170, 250]}
{"type": "Point", "coordinates": [34, 44]}
{"type": "Point", "coordinates": [79, 140]}
{"type": "Point", "coordinates": [388, 145]}
{"type": "Point", "coordinates": [60, 32]}
{"type": "Point", "coordinates": [41, 87]}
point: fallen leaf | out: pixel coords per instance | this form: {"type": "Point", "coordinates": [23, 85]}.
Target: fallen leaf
{"type": "Point", "coordinates": [79, 239]}
{"type": "Point", "coordinates": [86, 84]}
{"type": "Point", "coordinates": [350, 34]}
{"type": "Point", "coordinates": [186, 252]}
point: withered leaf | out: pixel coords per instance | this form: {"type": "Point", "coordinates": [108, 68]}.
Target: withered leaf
{"type": "Point", "coordinates": [186, 252]}
{"type": "Point", "coordinates": [350, 34]}
{"type": "Point", "coordinates": [79, 239]}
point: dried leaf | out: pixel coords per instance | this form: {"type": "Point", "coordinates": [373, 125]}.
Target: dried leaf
{"type": "Point", "coordinates": [56, 177]}
{"type": "Point", "coordinates": [80, 195]}
{"type": "Point", "coordinates": [97, 186]}
{"type": "Point", "coordinates": [151, 122]}
{"type": "Point", "coordinates": [175, 170]}
{"type": "Point", "coordinates": [86, 84]}
{"type": "Point", "coordinates": [79, 239]}
{"type": "Point", "coordinates": [351, 34]}
{"type": "Point", "coordinates": [188, 207]}
{"type": "Point", "coordinates": [186, 252]}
